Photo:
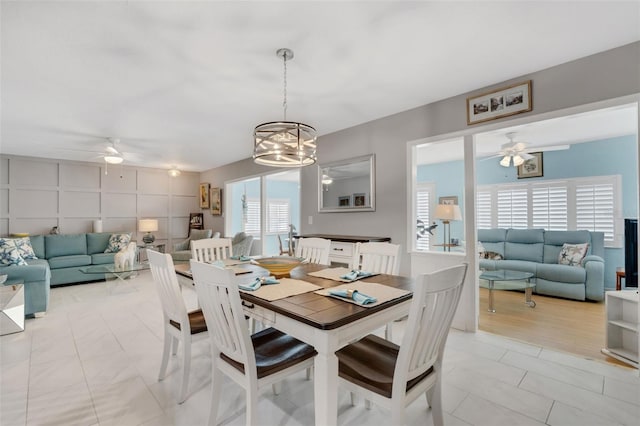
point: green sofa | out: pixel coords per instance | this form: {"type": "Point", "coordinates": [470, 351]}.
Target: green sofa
{"type": "Point", "coordinates": [59, 260]}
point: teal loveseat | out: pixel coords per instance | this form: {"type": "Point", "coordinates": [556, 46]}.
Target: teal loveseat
{"type": "Point", "coordinates": [537, 251]}
{"type": "Point", "coordinates": [59, 260]}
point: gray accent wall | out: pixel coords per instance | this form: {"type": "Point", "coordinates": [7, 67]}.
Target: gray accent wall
{"type": "Point", "coordinates": [37, 194]}
{"type": "Point", "coordinates": [606, 75]}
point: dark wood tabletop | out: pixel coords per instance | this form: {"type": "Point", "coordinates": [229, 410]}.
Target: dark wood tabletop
{"type": "Point", "coordinates": [319, 311]}
{"type": "Point", "coordinates": [346, 238]}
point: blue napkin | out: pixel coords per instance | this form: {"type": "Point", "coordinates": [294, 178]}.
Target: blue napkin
{"type": "Point", "coordinates": [355, 295]}
{"type": "Point", "coordinates": [218, 263]}
{"type": "Point", "coordinates": [355, 274]}
{"type": "Point", "coordinates": [257, 283]}
{"type": "Point", "coordinates": [240, 257]}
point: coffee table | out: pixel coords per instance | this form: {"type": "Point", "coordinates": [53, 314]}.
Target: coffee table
{"type": "Point", "coordinates": [504, 279]}
{"type": "Point", "coordinates": [111, 273]}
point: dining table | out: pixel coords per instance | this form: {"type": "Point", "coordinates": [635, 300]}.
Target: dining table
{"type": "Point", "coordinates": [326, 323]}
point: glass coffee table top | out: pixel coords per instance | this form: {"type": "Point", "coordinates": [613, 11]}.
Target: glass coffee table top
{"type": "Point", "coordinates": [504, 279]}
{"type": "Point", "coordinates": [111, 269]}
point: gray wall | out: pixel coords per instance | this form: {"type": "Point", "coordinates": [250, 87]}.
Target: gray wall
{"type": "Point", "coordinates": [37, 194]}
{"type": "Point", "coordinates": [606, 75]}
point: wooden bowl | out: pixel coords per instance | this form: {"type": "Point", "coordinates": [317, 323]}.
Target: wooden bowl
{"type": "Point", "coordinates": [278, 266]}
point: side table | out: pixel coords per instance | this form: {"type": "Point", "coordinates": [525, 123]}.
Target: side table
{"type": "Point", "coordinates": [142, 251]}
{"type": "Point", "coordinates": [620, 274]}
{"type": "Point", "coordinates": [12, 307]}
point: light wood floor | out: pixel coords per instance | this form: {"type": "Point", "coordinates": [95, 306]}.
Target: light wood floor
{"type": "Point", "coordinates": [566, 325]}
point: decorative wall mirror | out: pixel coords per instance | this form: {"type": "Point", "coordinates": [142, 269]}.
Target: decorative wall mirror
{"type": "Point", "coordinates": [347, 185]}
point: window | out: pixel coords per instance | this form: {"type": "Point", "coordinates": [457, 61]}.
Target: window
{"type": "Point", "coordinates": [278, 217]}
{"type": "Point", "coordinates": [556, 205]}
{"type": "Point", "coordinates": [424, 196]}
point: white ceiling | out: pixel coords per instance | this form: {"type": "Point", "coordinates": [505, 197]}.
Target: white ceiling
{"type": "Point", "coordinates": [184, 83]}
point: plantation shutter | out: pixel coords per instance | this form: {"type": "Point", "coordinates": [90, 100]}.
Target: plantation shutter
{"type": "Point", "coordinates": [278, 216]}
{"type": "Point", "coordinates": [512, 208]}
{"type": "Point", "coordinates": [252, 224]}
{"type": "Point", "coordinates": [422, 213]}
{"type": "Point", "coordinates": [595, 208]}
{"type": "Point", "coordinates": [483, 210]}
{"type": "Point", "coordinates": [549, 207]}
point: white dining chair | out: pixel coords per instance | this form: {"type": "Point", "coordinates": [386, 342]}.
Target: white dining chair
{"type": "Point", "coordinates": [211, 249]}
{"type": "Point", "coordinates": [314, 250]}
{"type": "Point", "coordinates": [380, 258]}
{"type": "Point", "coordinates": [393, 376]}
{"type": "Point", "coordinates": [252, 361]}
{"type": "Point", "coordinates": [180, 326]}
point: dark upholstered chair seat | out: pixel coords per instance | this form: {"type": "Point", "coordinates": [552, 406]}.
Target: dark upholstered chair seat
{"type": "Point", "coordinates": [196, 321]}
{"type": "Point", "coordinates": [275, 351]}
{"type": "Point", "coordinates": [370, 363]}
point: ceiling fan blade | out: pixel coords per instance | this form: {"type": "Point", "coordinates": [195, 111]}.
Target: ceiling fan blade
{"type": "Point", "coordinates": [525, 156]}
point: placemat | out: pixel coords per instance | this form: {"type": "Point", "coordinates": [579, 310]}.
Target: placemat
{"type": "Point", "coordinates": [383, 293]}
{"type": "Point", "coordinates": [287, 287]}
{"type": "Point", "coordinates": [335, 274]}
{"type": "Point", "coordinates": [233, 262]}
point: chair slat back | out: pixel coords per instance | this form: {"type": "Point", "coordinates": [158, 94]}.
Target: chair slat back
{"type": "Point", "coordinates": [382, 258]}
{"type": "Point", "coordinates": [315, 250]}
{"type": "Point", "coordinates": [219, 299]}
{"type": "Point", "coordinates": [433, 306]}
{"type": "Point", "coordinates": [211, 249]}
{"type": "Point", "coordinates": [168, 288]}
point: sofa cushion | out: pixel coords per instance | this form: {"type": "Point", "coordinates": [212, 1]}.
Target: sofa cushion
{"type": "Point", "coordinates": [102, 258]}
{"type": "Point", "coordinates": [516, 265]}
{"type": "Point", "coordinates": [37, 242]}
{"type": "Point", "coordinates": [24, 247]}
{"type": "Point", "coordinates": [554, 240]}
{"type": "Point", "coordinates": [9, 253]}
{"type": "Point", "coordinates": [572, 254]}
{"type": "Point", "coordinates": [200, 234]}
{"type": "Point", "coordinates": [65, 245]}
{"type": "Point", "coordinates": [118, 242]}
{"type": "Point", "coordinates": [490, 255]}
{"type": "Point", "coordinates": [561, 273]}
{"type": "Point", "coordinates": [496, 235]}
{"type": "Point", "coordinates": [97, 242]}
{"type": "Point", "coordinates": [33, 270]}
{"type": "Point", "coordinates": [69, 261]}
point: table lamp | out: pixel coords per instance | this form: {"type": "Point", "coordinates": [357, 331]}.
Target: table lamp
{"type": "Point", "coordinates": [446, 213]}
{"type": "Point", "coordinates": [148, 226]}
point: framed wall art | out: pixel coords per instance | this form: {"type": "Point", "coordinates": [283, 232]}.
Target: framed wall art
{"type": "Point", "coordinates": [344, 201]}
{"type": "Point", "coordinates": [204, 195]}
{"type": "Point", "coordinates": [216, 201]}
{"type": "Point", "coordinates": [359, 199]}
{"type": "Point", "coordinates": [532, 167]}
{"type": "Point", "coordinates": [451, 200]}
{"type": "Point", "coordinates": [499, 103]}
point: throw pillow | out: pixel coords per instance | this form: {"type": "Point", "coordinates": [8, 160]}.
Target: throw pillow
{"type": "Point", "coordinates": [118, 242]}
{"type": "Point", "coordinates": [572, 254]}
{"type": "Point", "coordinates": [9, 254]}
{"type": "Point", "coordinates": [24, 248]}
{"type": "Point", "coordinates": [491, 255]}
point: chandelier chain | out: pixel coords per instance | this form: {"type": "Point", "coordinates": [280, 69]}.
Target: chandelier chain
{"type": "Point", "coordinates": [284, 102]}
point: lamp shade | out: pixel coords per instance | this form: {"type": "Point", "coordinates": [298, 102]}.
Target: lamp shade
{"type": "Point", "coordinates": [447, 212]}
{"type": "Point", "coordinates": [148, 225]}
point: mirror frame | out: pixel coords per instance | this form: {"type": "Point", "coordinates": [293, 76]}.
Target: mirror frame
{"type": "Point", "coordinates": [372, 185]}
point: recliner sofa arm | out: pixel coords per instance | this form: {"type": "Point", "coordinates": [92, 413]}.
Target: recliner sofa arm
{"type": "Point", "coordinates": [594, 285]}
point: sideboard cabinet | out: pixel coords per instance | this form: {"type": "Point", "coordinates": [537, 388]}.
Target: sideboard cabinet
{"type": "Point", "coordinates": [343, 246]}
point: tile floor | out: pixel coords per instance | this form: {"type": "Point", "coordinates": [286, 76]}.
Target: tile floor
{"type": "Point", "coordinates": [93, 359]}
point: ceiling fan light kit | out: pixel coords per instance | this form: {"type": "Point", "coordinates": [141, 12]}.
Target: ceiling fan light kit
{"type": "Point", "coordinates": [284, 143]}
{"type": "Point", "coordinates": [174, 171]}
{"type": "Point", "coordinates": [113, 159]}
{"type": "Point", "coordinates": [513, 150]}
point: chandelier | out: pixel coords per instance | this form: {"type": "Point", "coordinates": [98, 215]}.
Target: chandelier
{"type": "Point", "coordinates": [284, 143]}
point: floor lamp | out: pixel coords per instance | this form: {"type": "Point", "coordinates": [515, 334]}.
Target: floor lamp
{"type": "Point", "coordinates": [446, 213]}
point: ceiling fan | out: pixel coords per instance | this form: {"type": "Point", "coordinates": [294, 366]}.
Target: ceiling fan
{"type": "Point", "coordinates": [112, 155]}
{"type": "Point", "coordinates": [513, 152]}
